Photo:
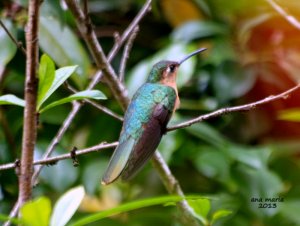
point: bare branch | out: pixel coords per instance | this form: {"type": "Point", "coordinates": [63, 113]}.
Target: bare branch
{"type": "Point", "coordinates": [7, 166]}
{"type": "Point", "coordinates": [55, 159]}
{"type": "Point", "coordinates": [245, 107]}
{"type": "Point", "coordinates": [96, 105]}
{"type": "Point", "coordinates": [13, 213]}
{"type": "Point", "coordinates": [127, 49]}
{"type": "Point", "coordinates": [18, 44]}
{"type": "Point", "coordinates": [104, 109]}
{"type": "Point", "coordinates": [173, 187]}
{"type": "Point", "coordinates": [146, 8]}
{"type": "Point", "coordinates": [291, 19]}
{"type": "Point", "coordinates": [85, 27]}
{"type": "Point", "coordinates": [30, 116]}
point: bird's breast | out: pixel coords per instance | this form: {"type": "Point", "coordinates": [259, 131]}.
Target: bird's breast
{"type": "Point", "coordinates": [177, 101]}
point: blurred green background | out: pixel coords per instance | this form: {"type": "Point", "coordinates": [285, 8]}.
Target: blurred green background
{"type": "Point", "coordinates": [253, 52]}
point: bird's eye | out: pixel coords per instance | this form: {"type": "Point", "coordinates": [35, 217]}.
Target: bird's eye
{"type": "Point", "coordinates": [172, 68]}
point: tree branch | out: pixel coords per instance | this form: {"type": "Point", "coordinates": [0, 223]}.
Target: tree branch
{"type": "Point", "coordinates": [18, 44]}
{"type": "Point", "coordinates": [126, 52]}
{"type": "Point", "coordinates": [173, 187]}
{"type": "Point", "coordinates": [30, 116]}
{"type": "Point", "coordinates": [146, 8]}
{"type": "Point", "coordinates": [95, 104]}
{"type": "Point", "coordinates": [85, 28]}
{"type": "Point", "coordinates": [291, 19]}
{"type": "Point", "coordinates": [55, 159]}
{"type": "Point", "coordinates": [245, 107]}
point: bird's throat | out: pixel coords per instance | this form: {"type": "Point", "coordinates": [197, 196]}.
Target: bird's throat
{"type": "Point", "coordinates": [172, 83]}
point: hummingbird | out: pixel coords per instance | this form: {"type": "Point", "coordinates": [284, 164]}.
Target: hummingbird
{"type": "Point", "coordinates": [146, 120]}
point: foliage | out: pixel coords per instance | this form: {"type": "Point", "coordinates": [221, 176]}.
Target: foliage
{"type": "Point", "coordinates": [49, 81]}
{"type": "Point", "coordinates": [233, 159]}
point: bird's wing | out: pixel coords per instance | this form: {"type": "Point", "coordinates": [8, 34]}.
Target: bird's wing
{"type": "Point", "coordinates": [118, 161]}
{"type": "Point", "coordinates": [148, 142]}
{"type": "Point", "coordinates": [144, 124]}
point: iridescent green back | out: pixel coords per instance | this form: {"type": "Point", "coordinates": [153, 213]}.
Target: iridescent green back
{"type": "Point", "coordinates": [142, 105]}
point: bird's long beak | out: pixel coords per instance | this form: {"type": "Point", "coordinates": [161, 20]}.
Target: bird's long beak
{"type": "Point", "coordinates": [191, 54]}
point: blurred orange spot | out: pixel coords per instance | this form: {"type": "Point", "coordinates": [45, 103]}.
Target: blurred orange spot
{"type": "Point", "coordinates": [275, 45]}
{"type": "Point", "coordinates": [178, 12]}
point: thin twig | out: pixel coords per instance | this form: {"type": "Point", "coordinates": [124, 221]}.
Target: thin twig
{"type": "Point", "coordinates": [30, 116]}
{"type": "Point", "coordinates": [223, 111]}
{"type": "Point", "coordinates": [146, 8]}
{"type": "Point", "coordinates": [19, 44]}
{"type": "Point", "coordinates": [291, 19]}
{"type": "Point", "coordinates": [96, 105]}
{"type": "Point", "coordinates": [104, 109]}
{"type": "Point", "coordinates": [55, 159]}
{"type": "Point", "coordinates": [127, 49]}
{"type": "Point", "coordinates": [85, 27]}
{"type": "Point", "coordinates": [173, 187]}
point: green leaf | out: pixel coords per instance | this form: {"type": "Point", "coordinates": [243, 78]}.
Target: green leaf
{"type": "Point", "coordinates": [219, 214]}
{"type": "Point", "coordinates": [59, 41]}
{"type": "Point", "coordinates": [213, 163]}
{"type": "Point", "coordinates": [197, 29]}
{"type": "Point", "coordinates": [292, 115]}
{"type": "Point", "coordinates": [61, 75]}
{"type": "Point", "coordinates": [92, 94]}
{"type": "Point", "coordinates": [290, 209]}
{"type": "Point", "coordinates": [259, 183]}
{"type": "Point", "coordinates": [10, 99]}
{"type": "Point", "coordinates": [8, 48]}
{"type": "Point", "coordinates": [140, 72]}
{"type": "Point", "coordinates": [255, 157]}
{"type": "Point", "coordinates": [53, 8]}
{"type": "Point", "coordinates": [201, 208]}
{"type": "Point", "coordinates": [230, 80]}
{"type": "Point", "coordinates": [46, 78]}
{"type": "Point", "coordinates": [131, 206]}
{"type": "Point", "coordinates": [66, 206]}
{"type": "Point", "coordinates": [221, 50]}
{"type": "Point", "coordinates": [37, 212]}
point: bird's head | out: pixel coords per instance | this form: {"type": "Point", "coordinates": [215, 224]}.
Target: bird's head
{"type": "Point", "coordinates": [165, 71]}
